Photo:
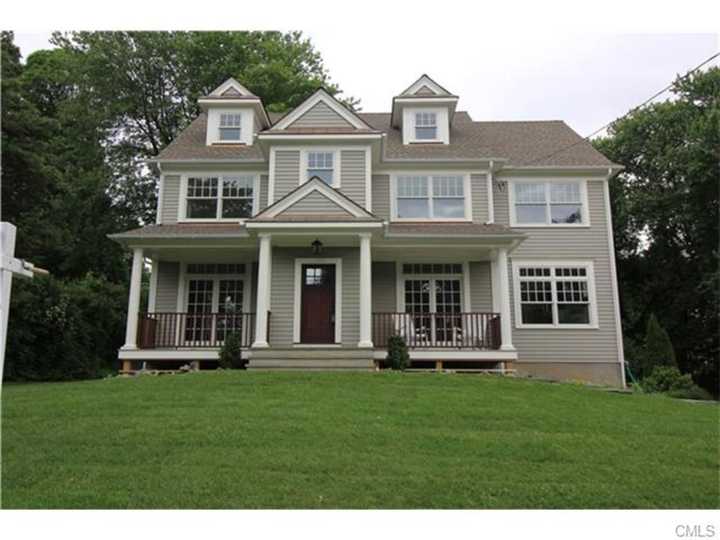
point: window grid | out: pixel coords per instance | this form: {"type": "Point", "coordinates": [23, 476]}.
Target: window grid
{"type": "Point", "coordinates": [321, 164]}
{"type": "Point", "coordinates": [430, 197]}
{"type": "Point", "coordinates": [548, 203]}
{"type": "Point", "coordinates": [229, 197]}
{"type": "Point", "coordinates": [213, 268]}
{"type": "Point", "coordinates": [230, 126]}
{"type": "Point", "coordinates": [554, 296]}
{"type": "Point", "coordinates": [426, 126]}
{"type": "Point", "coordinates": [426, 268]}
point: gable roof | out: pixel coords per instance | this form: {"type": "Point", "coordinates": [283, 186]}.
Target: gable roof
{"type": "Point", "coordinates": [345, 208]}
{"type": "Point", "coordinates": [321, 96]}
{"type": "Point", "coordinates": [425, 86]}
{"type": "Point", "coordinates": [231, 89]}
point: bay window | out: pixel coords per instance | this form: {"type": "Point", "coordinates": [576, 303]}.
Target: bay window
{"type": "Point", "coordinates": [440, 197]}
{"type": "Point", "coordinates": [220, 197]}
{"type": "Point", "coordinates": [558, 295]}
{"type": "Point", "coordinates": [548, 203]}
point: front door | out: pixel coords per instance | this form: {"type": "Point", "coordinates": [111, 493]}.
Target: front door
{"type": "Point", "coordinates": [317, 321]}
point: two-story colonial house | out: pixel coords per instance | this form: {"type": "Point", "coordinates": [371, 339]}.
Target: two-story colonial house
{"type": "Point", "coordinates": [318, 234]}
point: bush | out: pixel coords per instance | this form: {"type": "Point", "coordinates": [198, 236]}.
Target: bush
{"type": "Point", "coordinates": [231, 352]}
{"type": "Point", "coordinates": [657, 350]}
{"type": "Point", "coordinates": [397, 356]}
{"type": "Point", "coordinates": [667, 379]}
{"type": "Point", "coordinates": [63, 330]}
{"type": "Point", "coordinates": [694, 392]}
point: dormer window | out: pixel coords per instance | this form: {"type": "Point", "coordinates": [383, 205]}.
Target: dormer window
{"type": "Point", "coordinates": [321, 164]}
{"type": "Point", "coordinates": [426, 126]}
{"type": "Point", "coordinates": [230, 127]}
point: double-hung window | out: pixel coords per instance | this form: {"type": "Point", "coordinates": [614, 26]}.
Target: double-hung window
{"type": "Point", "coordinates": [440, 197]}
{"type": "Point", "coordinates": [220, 197]}
{"type": "Point", "coordinates": [230, 126]}
{"type": "Point", "coordinates": [560, 295]}
{"type": "Point", "coordinates": [549, 203]}
{"type": "Point", "coordinates": [322, 165]}
{"type": "Point", "coordinates": [426, 126]}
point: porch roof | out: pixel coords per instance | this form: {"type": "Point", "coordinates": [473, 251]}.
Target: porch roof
{"type": "Point", "coordinates": [183, 230]}
{"type": "Point", "coordinates": [450, 230]}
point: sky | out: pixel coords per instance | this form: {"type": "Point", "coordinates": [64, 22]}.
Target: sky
{"type": "Point", "coordinates": [585, 79]}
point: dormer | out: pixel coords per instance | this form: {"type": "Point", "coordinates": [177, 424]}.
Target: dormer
{"type": "Point", "coordinates": [234, 114]}
{"type": "Point", "coordinates": [424, 112]}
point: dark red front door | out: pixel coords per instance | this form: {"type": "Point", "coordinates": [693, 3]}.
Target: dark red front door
{"type": "Point", "coordinates": [317, 321]}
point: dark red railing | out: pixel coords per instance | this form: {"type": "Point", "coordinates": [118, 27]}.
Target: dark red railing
{"type": "Point", "coordinates": [438, 330]}
{"type": "Point", "coordinates": [193, 330]}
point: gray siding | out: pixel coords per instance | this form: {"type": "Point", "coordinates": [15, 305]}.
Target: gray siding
{"type": "Point", "coordinates": [315, 203]}
{"type": "Point", "coordinates": [262, 193]}
{"type": "Point", "coordinates": [384, 281]}
{"type": "Point", "coordinates": [167, 287]}
{"type": "Point", "coordinates": [170, 198]}
{"type": "Point", "coordinates": [480, 286]}
{"type": "Point", "coordinates": [287, 172]}
{"type": "Point", "coordinates": [381, 195]}
{"type": "Point", "coordinates": [352, 175]}
{"type": "Point", "coordinates": [283, 293]}
{"type": "Point", "coordinates": [591, 243]}
{"type": "Point", "coordinates": [478, 191]}
{"type": "Point", "coordinates": [320, 115]}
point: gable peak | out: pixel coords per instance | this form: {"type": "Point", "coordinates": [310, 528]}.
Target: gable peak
{"type": "Point", "coordinates": [425, 86]}
{"type": "Point", "coordinates": [231, 89]}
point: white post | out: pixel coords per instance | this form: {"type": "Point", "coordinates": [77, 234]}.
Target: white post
{"type": "Point", "coordinates": [263, 292]}
{"type": "Point", "coordinates": [7, 249]}
{"type": "Point", "coordinates": [501, 263]}
{"type": "Point", "coordinates": [134, 300]}
{"type": "Point", "coordinates": [365, 292]}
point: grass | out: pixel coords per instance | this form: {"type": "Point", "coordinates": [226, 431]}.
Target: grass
{"type": "Point", "coordinates": [352, 440]}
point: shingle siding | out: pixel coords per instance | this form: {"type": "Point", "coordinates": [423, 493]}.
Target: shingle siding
{"type": "Point", "coordinates": [352, 175]}
{"type": "Point", "coordinates": [320, 115]}
{"type": "Point", "coordinates": [586, 243]}
{"type": "Point", "coordinates": [170, 198]}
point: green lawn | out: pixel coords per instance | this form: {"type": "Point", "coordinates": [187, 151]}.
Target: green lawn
{"type": "Point", "coordinates": [352, 440]}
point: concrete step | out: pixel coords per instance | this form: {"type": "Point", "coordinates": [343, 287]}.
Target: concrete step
{"type": "Point", "coordinates": [278, 362]}
{"type": "Point", "coordinates": [301, 353]}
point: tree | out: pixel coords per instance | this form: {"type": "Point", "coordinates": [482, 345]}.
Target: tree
{"type": "Point", "coordinates": [665, 216]}
{"type": "Point", "coordinates": [657, 350]}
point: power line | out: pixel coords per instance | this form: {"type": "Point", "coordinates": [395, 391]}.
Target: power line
{"type": "Point", "coordinates": [668, 87]}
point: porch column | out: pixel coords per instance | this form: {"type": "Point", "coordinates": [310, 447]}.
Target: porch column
{"type": "Point", "coordinates": [263, 291]}
{"type": "Point", "coordinates": [501, 267]}
{"type": "Point", "coordinates": [365, 292]}
{"type": "Point", "coordinates": [134, 300]}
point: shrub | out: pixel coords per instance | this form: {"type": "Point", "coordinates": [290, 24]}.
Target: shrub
{"type": "Point", "coordinates": [657, 350]}
{"type": "Point", "coordinates": [694, 392]}
{"type": "Point", "coordinates": [397, 355]}
{"type": "Point", "coordinates": [667, 379]}
{"type": "Point", "coordinates": [231, 352]}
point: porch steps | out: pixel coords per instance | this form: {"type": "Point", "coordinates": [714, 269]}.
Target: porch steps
{"type": "Point", "coordinates": [311, 359]}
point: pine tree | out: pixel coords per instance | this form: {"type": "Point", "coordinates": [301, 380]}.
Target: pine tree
{"type": "Point", "coordinates": [658, 350]}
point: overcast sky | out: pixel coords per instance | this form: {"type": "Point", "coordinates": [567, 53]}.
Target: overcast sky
{"type": "Point", "coordinates": [586, 80]}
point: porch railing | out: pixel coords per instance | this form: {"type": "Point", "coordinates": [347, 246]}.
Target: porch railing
{"type": "Point", "coordinates": [439, 330]}
{"type": "Point", "coordinates": [193, 330]}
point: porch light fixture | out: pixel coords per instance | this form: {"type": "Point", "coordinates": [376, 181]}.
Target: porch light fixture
{"type": "Point", "coordinates": [316, 247]}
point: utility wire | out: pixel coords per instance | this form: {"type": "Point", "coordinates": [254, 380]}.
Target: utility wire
{"type": "Point", "coordinates": [587, 137]}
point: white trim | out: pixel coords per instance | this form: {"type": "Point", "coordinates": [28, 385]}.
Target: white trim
{"type": "Point", "coordinates": [161, 193]}
{"type": "Point", "coordinates": [263, 291]}
{"type": "Point", "coordinates": [424, 80]}
{"type": "Point", "coordinates": [402, 278]}
{"type": "Point", "coordinates": [321, 96]}
{"type": "Point", "coordinates": [503, 282]}
{"type": "Point", "coordinates": [152, 293]}
{"type": "Point", "coordinates": [422, 100]}
{"type": "Point", "coordinates": [231, 83]}
{"type": "Point", "coordinates": [182, 206]}
{"type": "Point", "coordinates": [445, 354]}
{"type": "Point", "coordinates": [365, 299]}
{"type": "Point", "coordinates": [547, 225]}
{"type": "Point", "coordinates": [315, 225]}
{"type": "Point", "coordinates": [368, 179]}
{"type": "Point", "coordinates": [319, 137]}
{"type": "Point", "coordinates": [303, 177]}
{"type": "Point", "coordinates": [131, 326]}
{"type": "Point", "coordinates": [298, 296]}
{"type": "Point", "coordinates": [467, 189]}
{"type": "Point", "coordinates": [490, 194]}
{"type": "Point", "coordinates": [613, 279]}
{"type": "Point", "coordinates": [306, 189]}
{"type": "Point", "coordinates": [553, 263]}
{"type": "Point", "coordinates": [216, 278]}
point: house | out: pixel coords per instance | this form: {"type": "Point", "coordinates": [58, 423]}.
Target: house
{"type": "Point", "coordinates": [318, 234]}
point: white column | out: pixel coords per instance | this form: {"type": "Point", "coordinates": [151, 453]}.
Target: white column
{"type": "Point", "coordinates": [365, 292]}
{"type": "Point", "coordinates": [134, 300]}
{"type": "Point", "coordinates": [263, 291]}
{"type": "Point", "coordinates": [501, 265]}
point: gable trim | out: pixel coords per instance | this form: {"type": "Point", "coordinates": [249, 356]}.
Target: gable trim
{"type": "Point", "coordinates": [232, 83]}
{"type": "Point", "coordinates": [291, 209]}
{"type": "Point", "coordinates": [314, 184]}
{"type": "Point", "coordinates": [330, 101]}
{"type": "Point", "coordinates": [425, 80]}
